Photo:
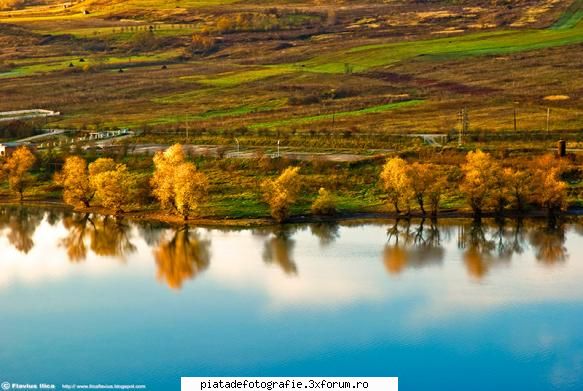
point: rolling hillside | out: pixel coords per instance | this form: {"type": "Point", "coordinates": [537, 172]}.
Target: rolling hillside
{"type": "Point", "coordinates": [268, 65]}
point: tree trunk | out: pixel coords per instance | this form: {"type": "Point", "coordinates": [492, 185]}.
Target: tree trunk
{"type": "Point", "coordinates": [397, 207]}
{"type": "Point", "coordinates": [421, 205]}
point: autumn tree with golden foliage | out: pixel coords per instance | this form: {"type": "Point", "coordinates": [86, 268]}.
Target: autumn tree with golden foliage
{"type": "Point", "coordinates": [397, 183]}
{"type": "Point", "coordinates": [435, 193]}
{"type": "Point", "coordinates": [324, 204]}
{"type": "Point", "coordinates": [17, 168]}
{"type": "Point", "coordinates": [162, 182]}
{"type": "Point", "coordinates": [77, 190]}
{"type": "Point", "coordinates": [519, 187]}
{"type": "Point", "coordinates": [176, 183]}
{"type": "Point", "coordinates": [500, 188]}
{"type": "Point", "coordinates": [422, 181]}
{"type": "Point", "coordinates": [550, 191]}
{"type": "Point", "coordinates": [112, 183]}
{"type": "Point", "coordinates": [479, 172]}
{"type": "Point", "coordinates": [282, 192]}
{"type": "Point", "coordinates": [190, 188]}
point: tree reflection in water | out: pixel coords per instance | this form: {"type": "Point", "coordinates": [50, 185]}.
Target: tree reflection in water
{"type": "Point", "coordinates": [183, 256]}
{"type": "Point", "coordinates": [278, 248]}
{"type": "Point", "coordinates": [21, 223]}
{"type": "Point", "coordinates": [486, 246]}
{"type": "Point", "coordinates": [107, 236]}
{"type": "Point", "coordinates": [412, 246]}
{"type": "Point", "coordinates": [326, 232]}
{"type": "Point", "coordinates": [548, 242]}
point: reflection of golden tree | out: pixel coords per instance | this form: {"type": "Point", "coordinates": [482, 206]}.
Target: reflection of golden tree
{"type": "Point", "coordinates": [408, 246]}
{"type": "Point", "coordinates": [21, 224]}
{"type": "Point", "coordinates": [108, 237]}
{"type": "Point", "coordinates": [326, 232]}
{"type": "Point", "coordinates": [181, 258]}
{"type": "Point", "coordinates": [478, 249]}
{"type": "Point", "coordinates": [74, 242]}
{"type": "Point", "coordinates": [395, 259]}
{"type": "Point", "coordinates": [476, 263]}
{"type": "Point", "coordinates": [278, 250]}
{"type": "Point", "coordinates": [549, 243]}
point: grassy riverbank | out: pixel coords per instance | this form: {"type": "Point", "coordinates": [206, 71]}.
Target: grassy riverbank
{"type": "Point", "coordinates": [235, 196]}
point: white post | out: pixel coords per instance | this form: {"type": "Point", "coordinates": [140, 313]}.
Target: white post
{"type": "Point", "coordinates": [238, 147]}
{"type": "Point", "coordinates": [278, 148]}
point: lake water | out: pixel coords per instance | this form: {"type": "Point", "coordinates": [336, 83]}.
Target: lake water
{"type": "Point", "coordinates": [87, 299]}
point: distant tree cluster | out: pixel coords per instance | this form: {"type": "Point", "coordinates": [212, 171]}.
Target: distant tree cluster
{"type": "Point", "coordinates": [254, 21]}
{"type": "Point", "coordinates": [202, 43]}
{"type": "Point", "coordinates": [485, 183]}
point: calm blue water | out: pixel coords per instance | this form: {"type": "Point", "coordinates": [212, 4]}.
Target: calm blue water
{"type": "Point", "coordinates": [85, 299]}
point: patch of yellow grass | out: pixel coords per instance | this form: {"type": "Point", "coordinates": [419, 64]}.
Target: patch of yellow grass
{"type": "Point", "coordinates": [435, 15]}
{"type": "Point", "coordinates": [557, 97]}
{"type": "Point", "coordinates": [533, 13]}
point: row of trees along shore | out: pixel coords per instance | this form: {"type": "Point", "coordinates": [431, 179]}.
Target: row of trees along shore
{"type": "Point", "coordinates": [181, 189]}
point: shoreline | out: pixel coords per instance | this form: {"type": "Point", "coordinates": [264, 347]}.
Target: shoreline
{"type": "Point", "coordinates": [161, 216]}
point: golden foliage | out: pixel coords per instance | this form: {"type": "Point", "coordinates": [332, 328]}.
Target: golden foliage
{"type": "Point", "coordinates": [17, 168]}
{"type": "Point", "coordinates": [74, 178]}
{"type": "Point", "coordinates": [162, 182]}
{"type": "Point", "coordinates": [176, 183]}
{"type": "Point", "coordinates": [551, 192]}
{"type": "Point", "coordinates": [190, 188]}
{"type": "Point", "coordinates": [112, 183]}
{"type": "Point", "coordinates": [425, 183]}
{"type": "Point", "coordinates": [282, 192]}
{"type": "Point", "coordinates": [480, 172]}
{"type": "Point", "coordinates": [201, 43]}
{"type": "Point", "coordinates": [520, 187]}
{"type": "Point", "coordinates": [396, 182]}
{"type": "Point", "coordinates": [325, 204]}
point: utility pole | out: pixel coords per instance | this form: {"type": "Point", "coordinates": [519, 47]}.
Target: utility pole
{"type": "Point", "coordinates": [548, 119]}
{"type": "Point", "coordinates": [464, 124]}
{"type": "Point", "coordinates": [237, 141]}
